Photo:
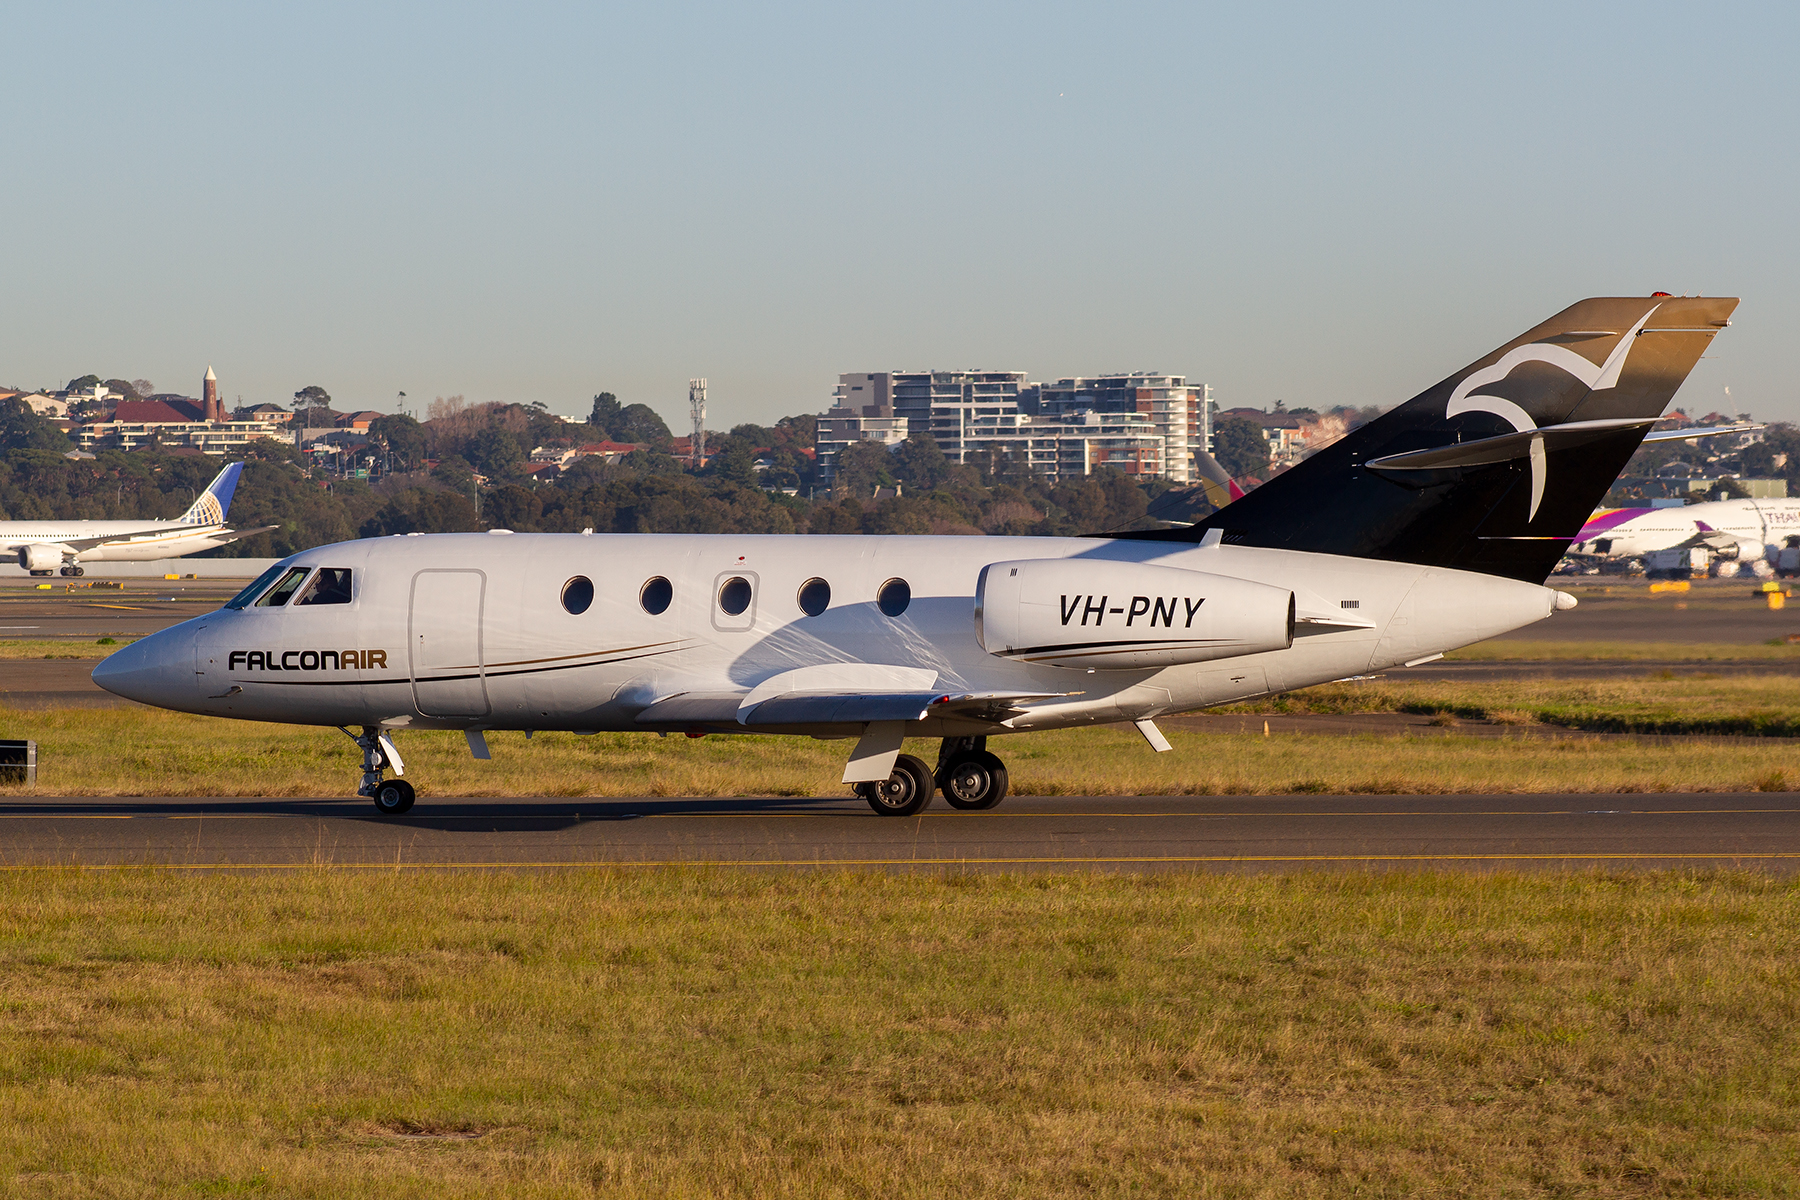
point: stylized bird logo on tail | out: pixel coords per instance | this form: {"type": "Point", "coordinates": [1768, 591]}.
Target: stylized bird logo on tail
{"type": "Point", "coordinates": [1597, 378]}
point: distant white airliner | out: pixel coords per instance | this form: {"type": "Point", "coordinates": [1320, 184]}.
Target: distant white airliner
{"type": "Point", "coordinates": [1731, 529]}
{"type": "Point", "coordinates": [1431, 527]}
{"type": "Point", "coordinates": [45, 546]}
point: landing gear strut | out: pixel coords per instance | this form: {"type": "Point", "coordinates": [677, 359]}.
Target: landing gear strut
{"type": "Point", "coordinates": [970, 777]}
{"type": "Point", "coordinates": [392, 796]}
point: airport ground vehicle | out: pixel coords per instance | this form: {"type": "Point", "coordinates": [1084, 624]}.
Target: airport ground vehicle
{"type": "Point", "coordinates": [1427, 529]}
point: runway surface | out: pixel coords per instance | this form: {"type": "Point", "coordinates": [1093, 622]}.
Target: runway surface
{"type": "Point", "coordinates": [1150, 833]}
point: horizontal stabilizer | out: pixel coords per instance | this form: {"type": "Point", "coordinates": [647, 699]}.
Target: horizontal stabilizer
{"type": "Point", "coordinates": [1505, 448]}
{"type": "Point", "coordinates": [1688, 435]}
{"type": "Point", "coordinates": [237, 535]}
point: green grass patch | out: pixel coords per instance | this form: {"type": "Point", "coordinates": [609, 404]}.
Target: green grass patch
{"type": "Point", "coordinates": [723, 1034]}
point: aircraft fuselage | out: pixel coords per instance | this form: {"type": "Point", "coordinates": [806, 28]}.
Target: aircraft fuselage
{"type": "Point", "coordinates": [471, 631]}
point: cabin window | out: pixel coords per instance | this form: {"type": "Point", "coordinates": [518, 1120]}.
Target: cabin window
{"type": "Point", "coordinates": [656, 595]}
{"type": "Point", "coordinates": [734, 595]}
{"type": "Point", "coordinates": [250, 593]}
{"type": "Point", "coordinates": [284, 591]}
{"type": "Point", "coordinates": [330, 586]}
{"type": "Point", "coordinates": [894, 596]}
{"type": "Point", "coordinates": [815, 597]}
{"type": "Point", "coordinates": [577, 594]}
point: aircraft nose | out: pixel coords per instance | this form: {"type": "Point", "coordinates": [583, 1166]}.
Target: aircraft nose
{"type": "Point", "coordinates": [155, 670]}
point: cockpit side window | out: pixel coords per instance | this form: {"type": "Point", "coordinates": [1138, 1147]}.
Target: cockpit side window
{"type": "Point", "coordinates": [250, 593]}
{"type": "Point", "coordinates": [330, 586]}
{"type": "Point", "coordinates": [282, 592]}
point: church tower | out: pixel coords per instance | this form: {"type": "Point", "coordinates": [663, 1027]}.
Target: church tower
{"type": "Point", "coordinates": [209, 397]}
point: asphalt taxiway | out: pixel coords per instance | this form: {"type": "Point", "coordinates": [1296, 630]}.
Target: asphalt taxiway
{"type": "Point", "coordinates": [1222, 833]}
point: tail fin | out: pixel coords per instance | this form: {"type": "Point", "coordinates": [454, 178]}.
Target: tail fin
{"type": "Point", "coordinates": [1221, 489]}
{"type": "Point", "coordinates": [210, 507]}
{"type": "Point", "coordinates": [1496, 468]}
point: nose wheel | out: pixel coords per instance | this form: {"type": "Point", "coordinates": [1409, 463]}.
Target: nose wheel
{"type": "Point", "coordinates": [391, 796]}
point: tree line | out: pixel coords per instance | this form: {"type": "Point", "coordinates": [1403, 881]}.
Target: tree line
{"type": "Point", "coordinates": [464, 468]}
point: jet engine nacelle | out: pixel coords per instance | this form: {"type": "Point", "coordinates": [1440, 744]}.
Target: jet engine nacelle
{"type": "Point", "coordinates": [40, 557]}
{"type": "Point", "coordinates": [1098, 615]}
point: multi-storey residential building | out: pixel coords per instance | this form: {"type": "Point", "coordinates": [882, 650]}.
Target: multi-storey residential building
{"type": "Point", "coordinates": [211, 437]}
{"type": "Point", "coordinates": [1181, 413]}
{"type": "Point", "coordinates": [862, 410]}
{"type": "Point", "coordinates": [1141, 423]}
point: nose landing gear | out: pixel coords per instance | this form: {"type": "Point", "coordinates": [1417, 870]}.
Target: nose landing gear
{"type": "Point", "coordinates": [392, 796]}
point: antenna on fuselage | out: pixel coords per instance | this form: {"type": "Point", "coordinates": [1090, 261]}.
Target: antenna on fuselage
{"type": "Point", "coordinates": [697, 408]}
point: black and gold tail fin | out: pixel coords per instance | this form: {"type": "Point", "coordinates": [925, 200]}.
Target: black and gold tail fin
{"type": "Point", "coordinates": [1496, 468]}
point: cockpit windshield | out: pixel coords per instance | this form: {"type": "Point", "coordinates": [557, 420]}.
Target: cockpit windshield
{"type": "Point", "coordinates": [250, 593]}
{"type": "Point", "coordinates": [282, 592]}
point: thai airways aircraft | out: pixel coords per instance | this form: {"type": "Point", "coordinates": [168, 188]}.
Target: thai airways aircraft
{"type": "Point", "coordinates": [43, 546]}
{"type": "Point", "coordinates": [1429, 528]}
{"type": "Point", "coordinates": [1732, 529]}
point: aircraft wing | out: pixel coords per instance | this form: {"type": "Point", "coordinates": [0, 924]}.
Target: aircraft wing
{"type": "Point", "coordinates": [859, 708]}
{"type": "Point", "coordinates": [835, 707]}
{"type": "Point", "coordinates": [1712, 539]}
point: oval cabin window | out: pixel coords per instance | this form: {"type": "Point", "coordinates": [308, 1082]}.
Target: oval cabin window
{"type": "Point", "coordinates": [577, 594]}
{"type": "Point", "coordinates": [815, 597]}
{"type": "Point", "coordinates": [656, 595]}
{"type": "Point", "coordinates": [894, 596]}
{"type": "Point", "coordinates": [734, 595]}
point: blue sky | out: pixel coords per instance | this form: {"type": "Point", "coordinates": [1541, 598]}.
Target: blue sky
{"type": "Point", "coordinates": [1315, 203]}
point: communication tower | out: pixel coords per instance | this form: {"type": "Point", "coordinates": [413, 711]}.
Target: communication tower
{"type": "Point", "coordinates": [697, 408]}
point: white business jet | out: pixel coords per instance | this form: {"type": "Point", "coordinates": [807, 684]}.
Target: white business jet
{"type": "Point", "coordinates": [45, 546]}
{"type": "Point", "coordinates": [1427, 529]}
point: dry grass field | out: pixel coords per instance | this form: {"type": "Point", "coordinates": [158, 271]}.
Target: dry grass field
{"type": "Point", "coordinates": [727, 1034]}
{"type": "Point", "coordinates": [146, 752]}
{"type": "Point", "coordinates": [1657, 702]}
{"type": "Point", "coordinates": [1522, 650]}
{"type": "Point", "coordinates": [92, 649]}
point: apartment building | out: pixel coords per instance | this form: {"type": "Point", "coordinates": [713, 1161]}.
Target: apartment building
{"type": "Point", "coordinates": [1142, 423]}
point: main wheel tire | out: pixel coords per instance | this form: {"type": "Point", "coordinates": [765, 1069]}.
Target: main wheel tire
{"type": "Point", "coordinates": [393, 797]}
{"type": "Point", "coordinates": [78, 571]}
{"type": "Point", "coordinates": [905, 792]}
{"type": "Point", "coordinates": [974, 781]}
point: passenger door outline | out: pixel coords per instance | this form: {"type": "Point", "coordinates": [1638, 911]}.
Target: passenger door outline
{"type": "Point", "coordinates": [439, 648]}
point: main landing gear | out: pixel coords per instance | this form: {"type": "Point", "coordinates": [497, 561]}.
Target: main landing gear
{"type": "Point", "coordinates": [967, 774]}
{"type": "Point", "coordinates": [392, 796]}
{"type": "Point", "coordinates": [69, 571]}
